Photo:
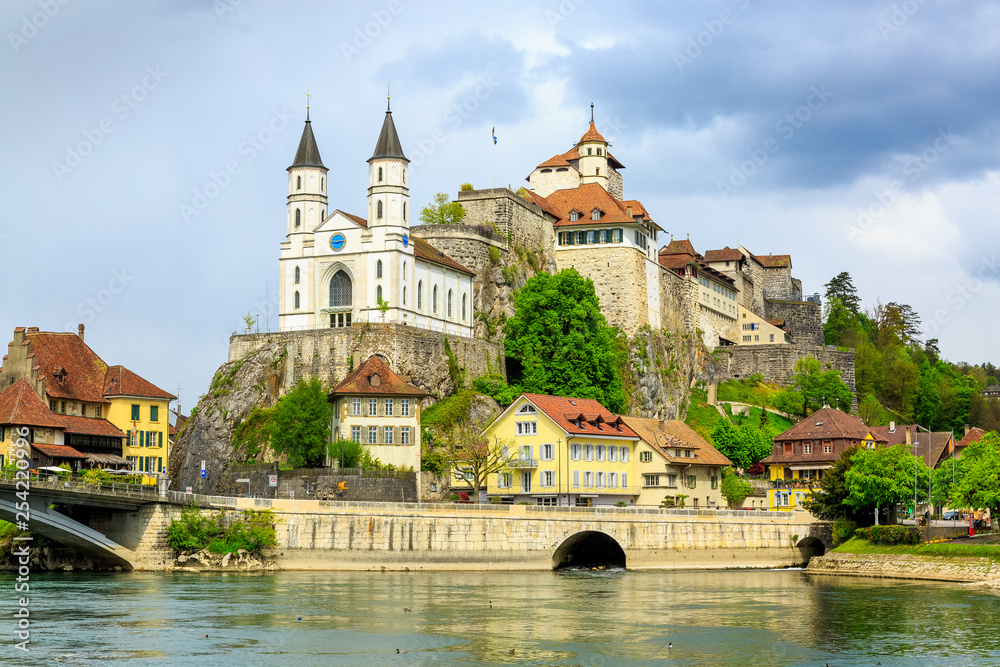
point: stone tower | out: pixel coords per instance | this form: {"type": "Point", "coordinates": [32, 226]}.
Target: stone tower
{"type": "Point", "coordinates": [388, 192]}
{"type": "Point", "coordinates": [593, 156]}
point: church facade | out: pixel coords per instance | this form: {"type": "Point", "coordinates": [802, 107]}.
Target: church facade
{"type": "Point", "coordinates": [340, 270]}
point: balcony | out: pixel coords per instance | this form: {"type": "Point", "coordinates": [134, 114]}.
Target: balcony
{"type": "Point", "coordinates": [522, 464]}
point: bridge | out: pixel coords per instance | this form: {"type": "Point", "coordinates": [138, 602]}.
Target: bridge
{"type": "Point", "coordinates": [126, 525]}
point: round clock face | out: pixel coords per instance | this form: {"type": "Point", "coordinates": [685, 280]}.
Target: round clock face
{"type": "Point", "coordinates": [406, 240]}
{"type": "Point", "coordinates": [337, 242]}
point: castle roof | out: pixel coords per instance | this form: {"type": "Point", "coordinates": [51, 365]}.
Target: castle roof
{"type": "Point", "coordinates": [774, 261]}
{"type": "Point", "coordinates": [374, 377]}
{"type": "Point", "coordinates": [388, 141]}
{"type": "Point", "coordinates": [120, 381]}
{"type": "Point", "coordinates": [682, 246]}
{"type": "Point", "coordinates": [585, 199]}
{"type": "Point", "coordinates": [70, 368]}
{"type": "Point", "coordinates": [592, 135]}
{"type": "Point", "coordinates": [675, 434]}
{"type": "Point", "coordinates": [307, 154]}
{"type": "Point", "coordinates": [974, 435]}
{"type": "Point", "coordinates": [727, 254]}
{"type": "Point", "coordinates": [676, 260]}
{"type": "Point", "coordinates": [21, 406]}
{"type": "Point", "coordinates": [555, 161]}
{"type": "Point", "coordinates": [829, 423]}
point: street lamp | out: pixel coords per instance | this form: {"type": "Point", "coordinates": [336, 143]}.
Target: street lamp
{"type": "Point", "coordinates": [915, 444]}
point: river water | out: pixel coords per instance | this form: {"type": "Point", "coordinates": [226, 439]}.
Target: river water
{"type": "Point", "coordinates": [458, 618]}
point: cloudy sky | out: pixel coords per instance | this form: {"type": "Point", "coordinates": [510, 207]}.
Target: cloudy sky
{"type": "Point", "coordinates": [145, 143]}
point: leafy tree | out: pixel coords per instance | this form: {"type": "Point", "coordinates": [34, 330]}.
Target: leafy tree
{"type": "Point", "coordinates": [479, 456]}
{"type": "Point", "coordinates": [300, 426]}
{"type": "Point", "coordinates": [883, 476]}
{"type": "Point", "coordinates": [745, 444]}
{"type": "Point", "coordinates": [841, 326]}
{"type": "Point", "coordinates": [830, 502]}
{"type": "Point", "coordinates": [734, 489]}
{"type": "Point", "coordinates": [442, 211]}
{"type": "Point", "coordinates": [466, 186]}
{"type": "Point", "coordinates": [871, 412]}
{"type": "Point", "coordinates": [841, 287]}
{"type": "Point", "coordinates": [562, 342]}
{"type": "Point", "coordinates": [979, 486]}
{"type": "Point", "coordinates": [818, 386]}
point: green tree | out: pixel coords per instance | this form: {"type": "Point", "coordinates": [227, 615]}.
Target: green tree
{"type": "Point", "coordinates": [841, 287]}
{"type": "Point", "coordinates": [745, 444]}
{"type": "Point", "coordinates": [818, 386]}
{"type": "Point", "coordinates": [734, 489]}
{"type": "Point", "coordinates": [830, 501]}
{"type": "Point", "coordinates": [884, 476]}
{"type": "Point", "coordinates": [561, 343]}
{"type": "Point", "coordinates": [871, 412]}
{"type": "Point", "coordinates": [300, 426]}
{"type": "Point", "coordinates": [979, 486]}
{"type": "Point", "coordinates": [442, 211]}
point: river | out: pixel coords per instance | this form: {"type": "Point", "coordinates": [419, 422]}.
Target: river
{"type": "Point", "coordinates": [547, 618]}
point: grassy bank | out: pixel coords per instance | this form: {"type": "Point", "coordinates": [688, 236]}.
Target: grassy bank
{"type": "Point", "coordinates": [945, 549]}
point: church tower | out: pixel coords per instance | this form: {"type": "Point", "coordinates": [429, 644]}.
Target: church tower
{"type": "Point", "coordinates": [593, 156]}
{"type": "Point", "coordinates": [306, 185]}
{"type": "Point", "coordinates": [388, 191]}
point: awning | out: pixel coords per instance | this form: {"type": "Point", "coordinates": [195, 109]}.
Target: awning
{"type": "Point", "coordinates": [580, 495]}
{"type": "Point", "coordinates": [815, 466]}
{"type": "Point", "coordinates": [106, 459]}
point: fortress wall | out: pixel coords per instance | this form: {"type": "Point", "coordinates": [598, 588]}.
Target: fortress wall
{"type": "Point", "coordinates": [777, 362]}
{"type": "Point", "coordinates": [619, 276]}
{"type": "Point", "coordinates": [803, 319]}
{"type": "Point", "coordinates": [520, 221]}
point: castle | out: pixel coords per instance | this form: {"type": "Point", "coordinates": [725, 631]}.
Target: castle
{"type": "Point", "coordinates": [338, 270]}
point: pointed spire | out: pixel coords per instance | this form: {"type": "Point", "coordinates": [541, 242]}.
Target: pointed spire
{"type": "Point", "coordinates": [308, 153]}
{"type": "Point", "coordinates": [591, 113]}
{"type": "Point", "coordinates": [388, 141]}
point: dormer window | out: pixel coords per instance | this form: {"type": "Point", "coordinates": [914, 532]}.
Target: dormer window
{"type": "Point", "coordinates": [573, 216]}
{"type": "Point", "coordinates": [375, 381]}
{"type": "Point", "coordinates": [595, 214]}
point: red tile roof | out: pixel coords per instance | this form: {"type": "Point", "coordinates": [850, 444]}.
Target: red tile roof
{"type": "Point", "coordinates": [774, 261]}
{"type": "Point", "coordinates": [120, 381]}
{"type": "Point", "coordinates": [584, 200]}
{"type": "Point", "coordinates": [592, 135]}
{"type": "Point", "coordinates": [555, 161]}
{"type": "Point", "coordinates": [90, 426]}
{"type": "Point", "coordinates": [389, 384]}
{"type": "Point", "coordinates": [975, 434]}
{"type": "Point", "coordinates": [682, 246]}
{"type": "Point", "coordinates": [676, 260]}
{"type": "Point", "coordinates": [938, 445]}
{"type": "Point", "coordinates": [21, 406]}
{"type": "Point", "coordinates": [59, 451]}
{"type": "Point", "coordinates": [827, 424]}
{"type": "Point", "coordinates": [727, 254]}
{"type": "Point", "coordinates": [70, 368]}
{"type": "Point", "coordinates": [354, 218]}
{"type": "Point", "coordinates": [425, 251]}
{"type": "Point", "coordinates": [597, 419]}
{"type": "Point", "coordinates": [675, 434]}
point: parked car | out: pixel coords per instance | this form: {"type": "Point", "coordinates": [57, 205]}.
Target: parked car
{"type": "Point", "coordinates": [952, 515]}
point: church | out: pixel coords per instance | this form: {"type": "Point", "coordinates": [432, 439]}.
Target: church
{"type": "Point", "coordinates": [338, 269]}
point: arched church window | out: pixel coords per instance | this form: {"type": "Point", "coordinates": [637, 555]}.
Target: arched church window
{"type": "Point", "coordinates": [378, 269]}
{"type": "Point", "coordinates": [378, 294]}
{"type": "Point", "coordinates": [404, 211]}
{"type": "Point", "coordinates": [449, 304]}
{"type": "Point", "coordinates": [404, 177]}
{"type": "Point", "coordinates": [296, 301]}
{"type": "Point", "coordinates": [340, 290]}
{"type": "Point", "coordinates": [296, 275]}
{"type": "Point", "coordinates": [434, 300]}
{"type": "Point", "coordinates": [378, 210]}
{"type": "Point", "coordinates": [322, 184]}
{"type": "Point", "coordinates": [298, 217]}
{"type": "Point", "coordinates": [380, 174]}
{"type": "Point", "coordinates": [322, 214]}
{"type": "Point", "coordinates": [404, 270]}
{"type": "Point", "coordinates": [404, 295]}
{"type": "Point", "coordinates": [464, 311]}
{"type": "Point", "coordinates": [420, 295]}
{"type": "Point", "coordinates": [298, 182]}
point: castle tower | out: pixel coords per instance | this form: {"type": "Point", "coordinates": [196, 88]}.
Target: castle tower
{"type": "Point", "coordinates": [593, 156]}
{"type": "Point", "coordinates": [388, 191]}
{"type": "Point", "coordinates": [306, 185]}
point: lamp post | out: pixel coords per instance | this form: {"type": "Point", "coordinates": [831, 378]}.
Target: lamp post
{"type": "Point", "coordinates": [928, 432]}
{"type": "Point", "coordinates": [558, 470]}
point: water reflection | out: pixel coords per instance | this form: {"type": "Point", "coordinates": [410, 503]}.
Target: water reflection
{"type": "Point", "coordinates": [569, 617]}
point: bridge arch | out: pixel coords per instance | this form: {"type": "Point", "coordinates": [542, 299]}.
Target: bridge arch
{"type": "Point", "coordinates": [589, 548]}
{"type": "Point", "coordinates": [810, 547]}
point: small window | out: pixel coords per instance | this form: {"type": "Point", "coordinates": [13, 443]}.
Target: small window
{"type": "Point", "coordinates": [298, 217]}
{"type": "Point", "coordinates": [404, 435]}
{"type": "Point", "coordinates": [373, 435]}
{"type": "Point", "coordinates": [296, 275]}
{"type": "Point", "coordinates": [590, 151]}
{"type": "Point", "coordinates": [595, 215]}
{"type": "Point", "coordinates": [404, 211]}
{"type": "Point", "coordinates": [434, 300]}
{"type": "Point", "coordinates": [573, 216]}
{"type": "Point", "coordinates": [547, 452]}
{"type": "Point", "coordinates": [599, 151]}
{"type": "Point", "coordinates": [404, 270]}
{"type": "Point", "coordinates": [154, 413]}
{"type": "Point", "coordinates": [404, 295]}
{"type": "Point", "coordinates": [464, 311]}
{"type": "Point", "coordinates": [404, 407]}
{"type": "Point", "coordinates": [378, 294]}
{"type": "Point", "coordinates": [296, 300]}
{"type": "Point", "coordinates": [388, 407]}
{"type": "Point", "coordinates": [404, 177]}
{"type": "Point", "coordinates": [378, 269]}
{"type": "Point", "coordinates": [298, 182]}
{"type": "Point", "coordinates": [356, 433]}
{"type": "Point", "coordinates": [388, 435]}
{"type": "Point", "coordinates": [372, 407]}
{"type": "Point", "coordinates": [378, 210]}
{"type": "Point", "coordinates": [380, 174]}
{"type": "Point", "coordinates": [420, 295]}
{"type": "Point", "coordinates": [449, 304]}
{"type": "Point", "coordinates": [135, 411]}
{"type": "Point", "coordinates": [356, 407]}
{"type": "Point", "coordinates": [322, 184]}
{"type": "Point", "coordinates": [574, 453]}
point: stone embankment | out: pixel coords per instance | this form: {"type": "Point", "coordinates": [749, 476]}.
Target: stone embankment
{"type": "Point", "coordinates": [205, 561]}
{"type": "Point", "coordinates": [905, 566]}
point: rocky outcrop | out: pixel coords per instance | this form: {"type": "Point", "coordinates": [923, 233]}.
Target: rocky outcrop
{"type": "Point", "coordinates": [206, 561]}
{"type": "Point", "coordinates": [663, 366]}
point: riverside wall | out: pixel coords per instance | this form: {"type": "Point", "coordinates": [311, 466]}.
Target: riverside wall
{"type": "Point", "coordinates": [905, 566]}
{"type": "Point", "coordinates": [330, 535]}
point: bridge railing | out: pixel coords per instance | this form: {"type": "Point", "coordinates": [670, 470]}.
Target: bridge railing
{"type": "Point", "coordinates": [56, 482]}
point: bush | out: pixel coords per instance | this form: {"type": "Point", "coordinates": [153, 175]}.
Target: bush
{"type": "Point", "coordinates": [889, 535]}
{"type": "Point", "coordinates": [494, 255]}
{"type": "Point", "coordinates": [843, 530]}
{"type": "Point", "coordinates": [194, 531]}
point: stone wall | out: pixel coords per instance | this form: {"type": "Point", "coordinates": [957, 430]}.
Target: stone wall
{"type": "Point", "coordinates": [678, 301]}
{"type": "Point", "coordinates": [777, 362]}
{"type": "Point", "coordinates": [715, 325]}
{"type": "Point", "coordinates": [778, 282]}
{"type": "Point", "coordinates": [619, 276]}
{"type": "Point", "coordinates": [905, 566]}
{"type": "Point", "coordinates": [143, 531]}
{"type": "Point", "coordinates": [467, 244]}
{"type": "Point", "coordinates": [517, 219]}
{"type": "Point", "coordinates": [615, 185]}
{"type": "Point", "coordinates": [412, 352]}
{"type": "Point", "coordinates": [803, 319]}
{"type": "Point", "coordinates": [326, 481]}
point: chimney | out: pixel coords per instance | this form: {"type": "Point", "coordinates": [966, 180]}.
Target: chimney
{"type": "Point", "coordinates": [909, 437]}
{"type": "Point", "coordinates": [79, 331]}
{"type": "Point", "coordinates": [892, 427]}
{"type": "Point", "coordinates": [357, 359]}
{"type": "Point", "coordinates": [967, 429]}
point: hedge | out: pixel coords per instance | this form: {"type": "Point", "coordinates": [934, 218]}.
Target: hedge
{"type": "Point", "coordinates": [889, 535]}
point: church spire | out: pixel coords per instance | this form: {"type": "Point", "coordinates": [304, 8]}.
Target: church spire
{"type": "Point", "coordinates": [388, 141]}
{"type": "Point", "coordinates": [307, 154]}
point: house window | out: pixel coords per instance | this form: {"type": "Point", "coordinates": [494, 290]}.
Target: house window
{"type": "Point", "coordinates": [372, 407]}
{"type": "Point", "coordinates": [807, 449]}
{"type": "Point", "coordinates": [650, 480]}
{"type": "Point", "coordinates": [588, 452]}
{"type": "Point", "coordinates": [715, 481]}
{"type": "Point", "coordinates": [613, 454]}
{"type": "Point", "coordinates": [503, 480]}
{"type": "Point", "coordinates": [373, 435]}
{"type": "Point", "coordinates": [298, 217]}
{"type": "Point", "coordinates": [672, 481]}
{"type": "Point", "coordinates": [692, 481]}
{"type": "Point", "coordinates": [624, 454]}
{"type": "Point", "coordinates": [548, 478]}
{"type": "Point", "coordinates": [97, 411]}
{"type": "Point", "coordinates": [378, 269]}
{"type": "Point", "coordinates": [527, 428]}
{"type": "Point", "coordinates": [588, 479]}
{"type": "Point", "coordinates": [595, 215]}
{"type": "Point", "coordinates": [526, 482]}
{"type": "Point", "coordinates": [356, 407]}
{"type": "Point", "coordinates": [296, 275]}
{"type": "Point", "coordinates": [612, 480]}
{"type": "Point", "coordinates": [449, 304]}
{"type": "Point", "coordinates": [464, 310]}
{"type": "Point", "coordinates": [434, 300]}
{"type": "Point", "coordinates": [356, 433]}
{"type": "Point", "coordinates": [135, 411]}
{"type": "Point", "coordinates": [590, 151]}
{"type": "Point", "coordinates": [296, 300]}
{"type": "Point", "coordinates": [600, 479]}
{"type": "Point", "coordinates": [645, 457]}
{"type": "Point", "coordinates": [404, 407]}
{"type": "Point", "coordinates": [787, 448]}
{"type": "Point", "coordinates": [576, 479]}
{"type": "Point", "coordinates": [827, 448]}
{"type": "Point", "coordinates": [404, 435]}
{"type": "Point", "coordinates": [600, 452]}
{"type": "Point", "coordinates": [772, 337]}
{"type": "Point", "coordinates": [154, 413]}
{"type": "Point", "coordinates": [420, 295]}
{"type": "Point", "coordinates": [388, 435]}
{"type": "Point", "coordinates": [547, 453]}
{"type": "Point", "coordinates": [574, 452]}
{"type": "Point", "coordinates": [573, 216]}
{"type": "Point", "coordinates": [388, 407]}
{"type": "Point", "coordinates": [624, 480]}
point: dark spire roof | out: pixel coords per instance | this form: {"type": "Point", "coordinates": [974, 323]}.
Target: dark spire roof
{"type": "Point", "coordinates": [388, 141]}
{"type": "Point", "coordinates": [308, 153]}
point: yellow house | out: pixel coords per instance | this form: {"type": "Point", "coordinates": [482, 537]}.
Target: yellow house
{"type": "Point", "coordinates": [567, 451]}
{"type": "Point", "coordinates": [141, 410]}
{"type": "Point", "coordinates": [755, 330]}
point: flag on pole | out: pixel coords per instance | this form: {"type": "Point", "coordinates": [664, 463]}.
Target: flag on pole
{"type": "Point", "coordinates": [133, 435]}
{"type": "Point", "coordinates": [494, 135]}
